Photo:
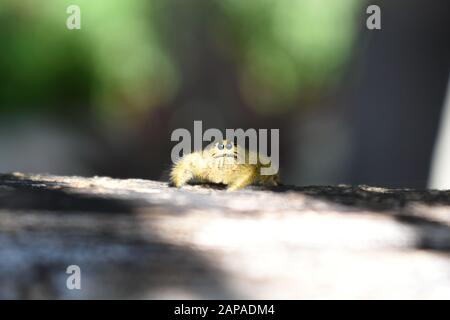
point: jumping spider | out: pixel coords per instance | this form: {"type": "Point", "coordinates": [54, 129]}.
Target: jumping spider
{"type": "Point", "coordinates": [219, 164]}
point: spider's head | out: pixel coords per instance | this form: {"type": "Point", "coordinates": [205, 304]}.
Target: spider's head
{"type": "Point", "coordinates": [224, 149]}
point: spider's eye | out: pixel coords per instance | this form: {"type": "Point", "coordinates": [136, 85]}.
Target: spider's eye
{"type": "Point", "coordinates": [220, 146]}
{"type": "Point", "coordinates": [229, 146]}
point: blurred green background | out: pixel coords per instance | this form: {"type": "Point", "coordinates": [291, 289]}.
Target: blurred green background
{"type": "Point", "coordinates": [132, 56]}
{"type": "Point", "coordinates": [104, 99]}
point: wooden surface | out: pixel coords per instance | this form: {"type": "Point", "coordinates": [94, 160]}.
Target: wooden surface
{"type": "Point", "coordinates": [143, 239]}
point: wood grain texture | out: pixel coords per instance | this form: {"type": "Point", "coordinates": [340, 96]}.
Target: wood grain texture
{"type": "Point", "coordinates": [143, 239]}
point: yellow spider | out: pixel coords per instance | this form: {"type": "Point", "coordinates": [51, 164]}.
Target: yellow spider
{"type": "Point", "coordinates": [219, 164]}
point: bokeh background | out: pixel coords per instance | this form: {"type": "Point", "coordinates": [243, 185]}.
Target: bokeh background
{"type": "Point", "coordinates": [353, 105]}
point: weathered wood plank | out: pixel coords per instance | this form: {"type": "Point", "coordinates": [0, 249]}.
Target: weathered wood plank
{"type": "Point", "coordinates": [142, 239]}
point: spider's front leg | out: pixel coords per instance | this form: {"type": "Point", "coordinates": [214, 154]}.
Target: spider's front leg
{"type": "Point", "coordinates": [184, 170]}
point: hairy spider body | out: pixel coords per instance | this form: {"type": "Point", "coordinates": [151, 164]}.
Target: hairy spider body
{"type": "Point", "coordinates": [219, 164]}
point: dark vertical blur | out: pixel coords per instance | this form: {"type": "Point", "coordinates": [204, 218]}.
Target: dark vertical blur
{"type": "Point", "coordinates": [402, 76]}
